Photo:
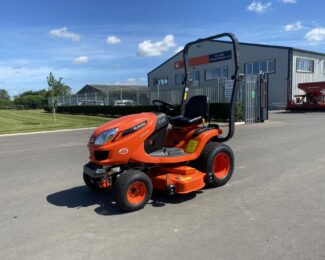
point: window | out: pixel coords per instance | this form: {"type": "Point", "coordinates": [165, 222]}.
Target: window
{"type": "Point", "coordinates": [263, 66]}
{"type": "Point", "coordinates": [195, 76]}
{"type": "Point", "coordinates": [160, 81]}
{"type": "Point", "coordinates": [267, 66]}
{"type": "Point", "coordinates": [249, 69]}
{"type": "Point", "coordinates": [305, 65]}
{"type": "Point", "coordinates": [256, 68]}
{"type": "Point", "coordinates": [192, 77]}
{"type": "Point", "coordinates": [324, 66]}
{"type": "Point", "coordinates": [216, 73]}
{"type": "Point", "coordinates": [179, 78]}
{"type": "Point", "coordinates": [270, 66]}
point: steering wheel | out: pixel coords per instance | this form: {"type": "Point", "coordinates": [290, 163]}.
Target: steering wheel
{"type": "Point", "coordinates": [163, 106]}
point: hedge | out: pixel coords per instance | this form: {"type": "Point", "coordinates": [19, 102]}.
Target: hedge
{"type": "Point", "coordinates": [218, 111]}
{"type": "Point", "coordinates": [4, 103]}
{"type": "Point", "coordinates": [31, 101]}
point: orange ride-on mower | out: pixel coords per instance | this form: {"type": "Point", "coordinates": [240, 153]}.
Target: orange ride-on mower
{"type": "Point", "coordinates": [137, 153]}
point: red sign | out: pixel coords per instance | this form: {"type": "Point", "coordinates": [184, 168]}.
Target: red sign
{"type": "Point", "coordinates": [215, 57]}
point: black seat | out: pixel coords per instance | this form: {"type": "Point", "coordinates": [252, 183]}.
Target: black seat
{"type": "Point", "coordinates": [196, 109]}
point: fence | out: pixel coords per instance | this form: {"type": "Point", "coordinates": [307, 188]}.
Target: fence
{"type": "Point", "coordinates": [252, 94]}
{"type": "Point", "coordinates": [218, 91]}
{"type": "Point", "coordinates": [112, 97]}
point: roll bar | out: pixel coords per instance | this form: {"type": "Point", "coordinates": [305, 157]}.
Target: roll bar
{"type": "Point", "coordinates": [234, 77]}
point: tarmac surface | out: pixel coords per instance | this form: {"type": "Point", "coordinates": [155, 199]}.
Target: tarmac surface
{"type": "Point", "coordinates": [272, 208]}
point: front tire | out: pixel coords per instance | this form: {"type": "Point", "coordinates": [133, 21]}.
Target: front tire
{"type": "Point", "coordinates": [132, 190]}
{"type": "Point", "coordinates": [217, 160]}
{"type": "Point", "coordinates": [89, 183]}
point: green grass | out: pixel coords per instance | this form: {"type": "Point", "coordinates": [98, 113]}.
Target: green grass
{"type": "Point", "coordinates": [18, 121]}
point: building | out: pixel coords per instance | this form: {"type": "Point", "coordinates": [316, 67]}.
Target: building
{"type": "Point", "coordinates": [108, 94]}
{"type": "Point", "coordinates": [285, 67]}
{"type": "Point", "coordinates": [92, 88]}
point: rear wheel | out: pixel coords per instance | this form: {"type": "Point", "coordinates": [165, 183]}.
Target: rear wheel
{"type": "Point", "coordinates": [132, 190]}
{"type": "Point", "coordinates": [217, 161]}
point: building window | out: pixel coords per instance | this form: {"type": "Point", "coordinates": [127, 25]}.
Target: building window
{"type": "Point", "coordinates": [195, 76]}
{"type": "Point", "coordinates": [305, 65]}
{"type": "Point", "coordinates": [179, 78]}
{"type": "Point", "coordinates": [324, 66]}
{"type": "Point", "coordinates": [216, 73]}
{"type": "Point", "coordinates": [160, 81]}
{"type": "Point", "coordinates": [267, 66]}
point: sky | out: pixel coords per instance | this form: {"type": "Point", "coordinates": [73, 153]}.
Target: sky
{"type": "Point", "coordinates": [119, 42]}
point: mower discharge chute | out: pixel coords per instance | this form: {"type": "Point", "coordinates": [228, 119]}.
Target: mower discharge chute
{"type": "Point", "coordinates": [138, 153]}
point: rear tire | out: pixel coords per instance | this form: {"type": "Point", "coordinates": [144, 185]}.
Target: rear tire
{"type": "Point", "coordinates": [132, 190]}
{"type": "Point", "coordinates": [219, 160]}
{"type": "Point", "coordinates": [89, 183]}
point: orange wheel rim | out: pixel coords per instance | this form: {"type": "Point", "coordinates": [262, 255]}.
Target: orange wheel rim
{"type": "Point", "coordinates": [137, 192]}
{"type": "Point", "coordinates": [221, 165]}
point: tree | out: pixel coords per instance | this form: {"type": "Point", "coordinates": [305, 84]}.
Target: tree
{"type": "Point", "coordinates": [4, 95]}
{"type": "Point", "coordinates": [56, 88]}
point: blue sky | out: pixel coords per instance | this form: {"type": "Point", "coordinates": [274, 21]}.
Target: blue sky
{"type": "Point", "coordinates": [119, 42]}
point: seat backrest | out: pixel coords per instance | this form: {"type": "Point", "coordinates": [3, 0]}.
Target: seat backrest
{"type": "Point", "coordinates": [197, 106]}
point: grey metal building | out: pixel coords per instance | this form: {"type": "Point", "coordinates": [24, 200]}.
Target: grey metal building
{"type": "Point", "coordinates": [285, 67]}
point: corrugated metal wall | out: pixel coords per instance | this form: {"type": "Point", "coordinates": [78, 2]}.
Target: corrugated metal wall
{"type": "Point", "coordinates": [304, 77]}
{"type": "Point", "coordinates": [278, 81]}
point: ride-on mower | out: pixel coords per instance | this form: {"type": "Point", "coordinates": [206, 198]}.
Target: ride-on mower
{"type": "Point", "coordinates": [137, 153]}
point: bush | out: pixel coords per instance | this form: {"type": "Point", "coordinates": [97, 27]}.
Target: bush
{"type": "Point", "coordinates": [218, 111]}
{"type": "Point", "coordinates": [4, 103]}
{"type": "Point", "coordinates": [31, 101]}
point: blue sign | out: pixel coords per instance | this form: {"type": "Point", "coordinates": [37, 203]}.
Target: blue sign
{"type": "Point", "coordinates": [220, 56]}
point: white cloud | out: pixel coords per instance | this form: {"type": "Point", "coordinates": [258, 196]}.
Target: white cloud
{"type": "Point", "coordinates": [149, 48]}
{"type": "Point", "coordinates": [180, 48]}
{"type": "Point", "coordinates": [65, 34]}
{"type": "Point", "coordinates": [112, 39]}
{"type": "Point", "coordinates": [316, 35]}
{"type": "Point", "coordinates": [259, 7]}
{"type": "Point", "coordinates": [288, 1]}
{"type": "Point", "coordinates": [293, 27]}
{"type": "Point", "coordinates": [81, 60]}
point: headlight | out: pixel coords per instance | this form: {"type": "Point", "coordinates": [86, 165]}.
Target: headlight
{"type": "Point", "coordinates": [105, 136]}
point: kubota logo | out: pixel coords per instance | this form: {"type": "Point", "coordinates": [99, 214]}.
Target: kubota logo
{"type": "Point", "coordinates": [123, 151]}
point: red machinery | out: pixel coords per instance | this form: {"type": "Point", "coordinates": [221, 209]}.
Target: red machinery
{"type": "Point", "coordinates": [313, 99]}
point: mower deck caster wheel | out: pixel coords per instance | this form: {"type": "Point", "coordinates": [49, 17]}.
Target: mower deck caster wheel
{"type": "Point", "coordinates": [132, 190]}
{"type": "Point", "coordinates": [171, 190]}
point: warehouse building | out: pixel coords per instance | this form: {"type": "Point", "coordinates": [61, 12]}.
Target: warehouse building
{"type": "Point", "coordinates": [285, 67]}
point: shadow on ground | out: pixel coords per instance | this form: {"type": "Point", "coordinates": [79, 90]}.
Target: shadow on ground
{"type": "Point", "coordinates": [79, 197]}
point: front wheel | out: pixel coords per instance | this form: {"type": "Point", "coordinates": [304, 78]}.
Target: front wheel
{"type": "Point", "coordinates": [218, 161]}
{"type": "Point", "coordinates": [132, 190]}
{"type": "Point", "coordinates": [90, 184]}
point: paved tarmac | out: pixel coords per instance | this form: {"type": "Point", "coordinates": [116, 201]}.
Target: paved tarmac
{"type": "Point", "coordinates": [272, 208]}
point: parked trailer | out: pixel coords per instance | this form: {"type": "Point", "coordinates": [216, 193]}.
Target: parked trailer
{"type": "Point", "coordinates": [312, 100]}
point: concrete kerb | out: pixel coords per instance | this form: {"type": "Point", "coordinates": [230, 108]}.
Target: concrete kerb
{"type": "Point", "coordinates": [46, 132]}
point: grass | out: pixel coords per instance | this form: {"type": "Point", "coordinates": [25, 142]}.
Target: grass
{"type": "Point", "coordinates": [21, 121]}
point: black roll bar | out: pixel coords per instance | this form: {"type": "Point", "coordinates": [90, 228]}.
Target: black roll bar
{"type": "Point", "coordinates": [234, 77]}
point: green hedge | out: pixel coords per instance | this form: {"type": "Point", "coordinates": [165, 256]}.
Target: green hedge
{"type": "Point", "coordinates": [31, 101]}
{"type": "Point", "coordinates": [218, 111]}
{"type": "Point", "coordinates": [4, 103]}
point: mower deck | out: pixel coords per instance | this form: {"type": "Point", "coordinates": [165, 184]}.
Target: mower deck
{"type": "Point", "coordinates": [185, 179]}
